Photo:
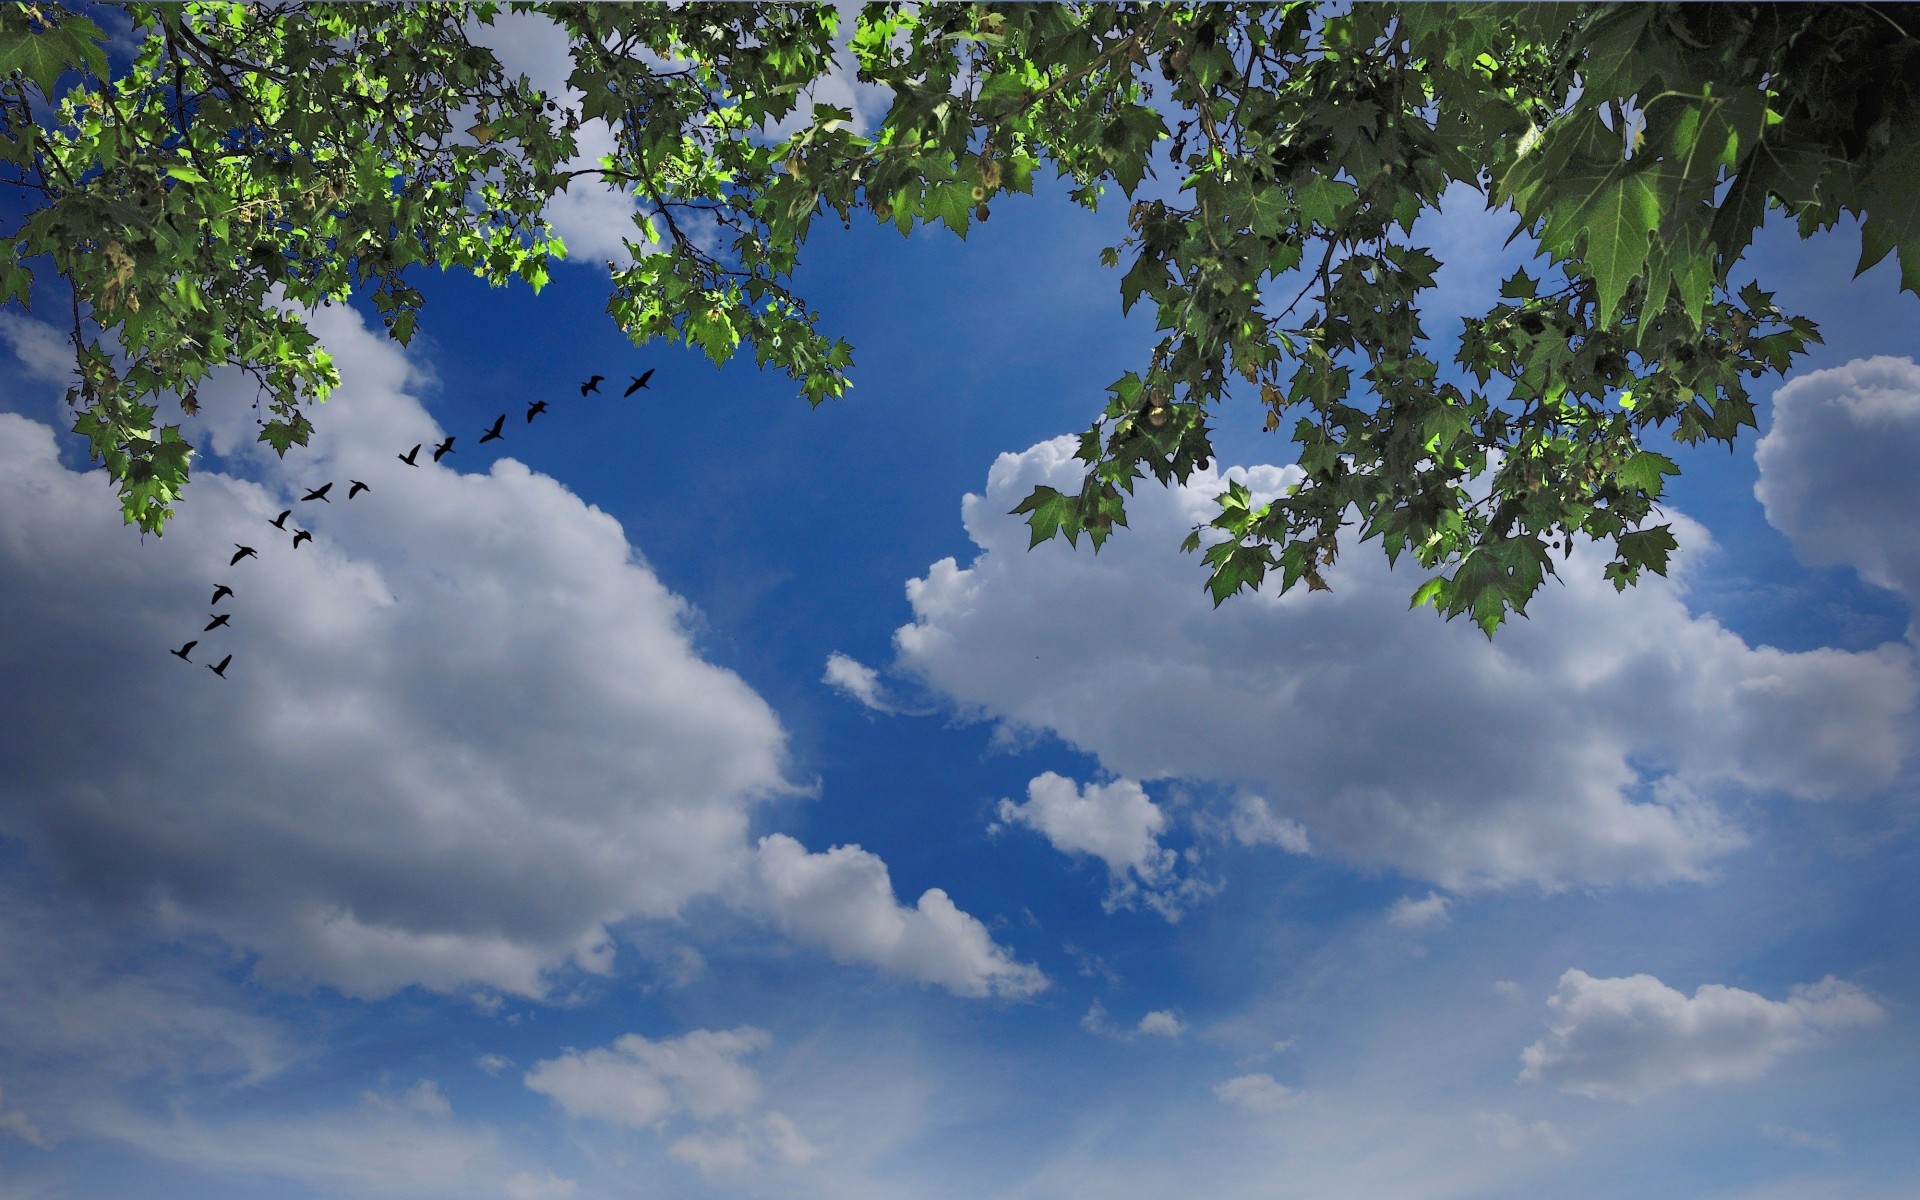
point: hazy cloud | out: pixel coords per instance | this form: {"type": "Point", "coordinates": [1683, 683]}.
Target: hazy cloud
{"type": "Point", "coordinates": [1259, 1093]}
{"type": "Point", "coordinates": [1625, 1039]}
{"type": "Point", "coordinates": [1431, 913]}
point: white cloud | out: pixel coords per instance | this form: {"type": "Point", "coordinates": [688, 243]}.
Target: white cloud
{"type": "Point", "coordinates": [842, 901]}
{"type": "Point", "coordinates": [493, 1064]}
{"type": "Point", "coordinates": [1836, 469]}
{"type": "Point", "coordinates": [857, 680]}
{"type": "Point", "coordinates": [464, 731]}
{"type": "Point", "coordinates": [1115, 823]}
{"type": "Point", "coordinates": [1259, 1093]}
{"type": "Point", "coordinates": [639, 1083]}
{"type": "Point", "coordinates": [1252, 822]}
{"type": "Point", "coordinates": [1509, 1132]}
{"type": "Point", "coordinates": [748, 1147]}
{"type": "Point", "coordinates": [1627, 1038]}
{"type": "Point", "coordinates": [1431, 913]}
{"type": "Point", "coordinates": [1581, 747]}
{"type": "Point", "coordinates": [644, 1084]}
{"type": "Point", "coordinates": [1158, 1023]}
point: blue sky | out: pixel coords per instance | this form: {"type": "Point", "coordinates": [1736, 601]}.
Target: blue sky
{"type": "Point", "coordinates": [700, 795]}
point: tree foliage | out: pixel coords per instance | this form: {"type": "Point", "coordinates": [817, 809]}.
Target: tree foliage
{"type": "Point", "coordinates": [252, 161]}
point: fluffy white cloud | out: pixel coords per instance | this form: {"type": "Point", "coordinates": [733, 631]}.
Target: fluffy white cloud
{"type": "Point", "coordinates": [1259, 1093]}
{"type": "Point", "coordinates": [854, 678]}
{"type": "Point", "coordinates": [1161, 1023]}
{"type": "Point", "coordinates": [1581, 746]}
{"type": "Point", "coordinates": [1431, 913]}
{"type": "Point", "coordinates": [639, 1083]}
{"type": "Point", "coordinates": [1836, 470]}
{"type": "Point", "coordinates": [842, 901]}
{"type": "Point", "coordinates": [464, 730]}
{"type": "Point", "coordinates": [1628, 1038]}
{"type": "Point", "coordinates": [1117, 824]}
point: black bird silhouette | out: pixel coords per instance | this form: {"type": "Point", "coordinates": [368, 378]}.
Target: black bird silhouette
{"type": "Point", "coordinates": [243, 552]}
{"type": "Point", "coordinates": [280, 522]}
{"type": "Point", "coordinates": [320, 493]}
{"type": "Point", "coordinates": [221, 670]}
{"type": "Point", "coordinates": [219, 619]}
{"type": "Point", "coordinates": [183, 651]}
{"type": "Point", "coordinates": [299, 536]}
{"type": "Point", "coordinates": [591, 385]}
{"type": "Point", "coordinates": [444, 448]}
{"type": "Point", "coordinates": [357, 488]}
{"type": "Point", "coordinates": [538, 406]}
{"type": "Point", "coordinates": [493, 434]}
{"type": "Point", "coordinates": [408, 457]}
{"type": "Point", "coordinates": [221, 590]}
{"type": "Point", "coordinates": [639, 381]}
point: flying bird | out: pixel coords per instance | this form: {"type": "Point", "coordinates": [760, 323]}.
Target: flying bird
{"type": "Point", "coordinates": [222, 590]}
{"type": "Point", "coordinates": [639, 381]}
{"type": "Point", "coordinates": [357, 488]}
{"type": "Point", "coordinates": [538, 406]}
{"type": "Point", "coordinates": [443, 449]}
{"type": "Point", "coordinates": [493, 434]}
{"type": "Point", "coordinates": [591, 385]}
{"type": "Point", "coordinates": [280, 522]}
{"type": "Point", "coordinates": [219, 619]}
{"type": "Point", "coordinates": [221, 670]}
{"type": "Point", "coordinates": [409, 456]}
{"type": "Point", "coordinates": [242, 552]}
{"type": "Point", "coordinates": [183, 651]}
{"type": "Point", "coordinates": [301, 536]}
{"type": "Point", "coordinates": [320, 493]}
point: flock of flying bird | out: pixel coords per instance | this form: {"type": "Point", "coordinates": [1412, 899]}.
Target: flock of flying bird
{"type": "Point", "coordinates": [493, 433]}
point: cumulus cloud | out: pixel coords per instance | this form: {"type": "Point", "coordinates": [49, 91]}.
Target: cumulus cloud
{"type": "Point", "coordinates": [1115, 823]}
{"type": "Point", "coordinates": [1259, 1093]}
{"type": "Point", "coordinates": [1627, 1038]}
{"type": "Point", "coordinates": [1583, 746]}
{"type": "Point", "coordinates": [1836, 470]}
{"type": "Point", "coordinates": [639, 1083]}
{"type": "Point", "coordinates": [853, 678]}
{"type": "Point", "coordinates": [645, 1084]}
{"type": "Point", "coordinates": [465, 730]}
{"type": "Point", "coordinates": [842, 901]}
{"type": "Point", "coordinates": [1430, 913]}
{"type": "Point", "coordinates": [1158, 1023]}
